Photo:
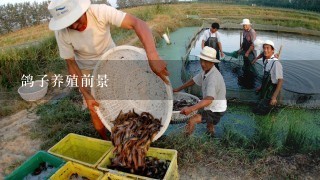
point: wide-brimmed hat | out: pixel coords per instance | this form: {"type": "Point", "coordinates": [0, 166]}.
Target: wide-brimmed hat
{"type": "Point", "coordinates": [66, 12]}
{"type": "Point", "coordinates": [209, 54]}
{"type": "Point", "coordinates": [245, 22]}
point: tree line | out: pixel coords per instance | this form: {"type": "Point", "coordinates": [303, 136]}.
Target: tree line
{"type": "Point", "coordinates": [19, 15]}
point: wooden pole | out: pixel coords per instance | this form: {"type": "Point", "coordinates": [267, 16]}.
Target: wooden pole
{"type": "Point", "coordinates": [280, 50]}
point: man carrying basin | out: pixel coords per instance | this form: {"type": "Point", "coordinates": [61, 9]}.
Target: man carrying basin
{"type": "Point", "coordinates": [214, 104]}
{"type": "Point", "coordinates": [83, 35]}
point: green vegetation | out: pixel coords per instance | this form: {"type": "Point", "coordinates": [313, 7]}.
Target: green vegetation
{"type": "Point", "coordinates": [12, 103]}
{"type": "Point", "coordinates": [40, 59]}
{"type": "Point", "coordinates": [287, 132]}
{"type": "Point", "coordinates": [61, 117]}
{"type": "Point", "coordinates": [290, 130]}
{"type": "Point", "coordinates": [258, 15]}
{"type": "Point", "coordinates": [25, 36]}
{"type": "Point", "coordinates": [293, 133]}
{"type": "Point", "coordinates": [36, 60]}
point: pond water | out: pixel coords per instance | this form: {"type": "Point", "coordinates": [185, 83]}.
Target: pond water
{"type": "Point", "coordinates": [174, 52]}
{"type": "Point", "coordinates": [295, 47]}
{"type": "Point", "coordinates": [300, 57]}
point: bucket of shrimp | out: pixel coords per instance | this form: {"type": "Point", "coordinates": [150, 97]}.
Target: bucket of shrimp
{"type": "Point", "coordinates": [180, 101]}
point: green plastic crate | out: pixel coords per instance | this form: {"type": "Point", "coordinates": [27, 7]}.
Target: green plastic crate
{"type": "Point", "coordinates": [81, 149]}
{"type": "Point", "coordinates": [33, 162]}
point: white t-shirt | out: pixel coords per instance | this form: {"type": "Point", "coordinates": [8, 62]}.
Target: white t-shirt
{"type": "Point", "coordinates": [213, 85]}
{"type": "Point", "coordinates": [207, 34]}
{"type": "Point", "coordinates": [89, 45]}
{"type": "Point", "coordinates": [276, 71]}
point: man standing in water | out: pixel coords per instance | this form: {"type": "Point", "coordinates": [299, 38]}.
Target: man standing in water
{"type": "Point", "coordinates": [247, 46]}
{"type": "Point", "coordinates": [83, 35]}
{"type": "Point", "coordinates": [247, 78]}
{"type": "Point", "coordinates": [214, 104]}
{"type": "Point", "coordinates": [272, 80]}
{"type": "Point", "coordinates": [211, 38]}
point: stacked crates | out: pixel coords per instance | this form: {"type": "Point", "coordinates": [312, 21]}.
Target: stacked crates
{"type": "Point", "coordinates": [90, 158]}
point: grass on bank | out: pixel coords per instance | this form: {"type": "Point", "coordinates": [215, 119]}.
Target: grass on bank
{"type": "Point", "coordinates": [38, 60]}
{"type": "Point", "coordinates": [34, 60]}
{"type": "Point", "coordinates": [25, 35]}
{"type": "Point", "coordinates": [258, 15]}
{"type": "Point", "coordinates": [61, 117]}
{"type": "Point", "coordinates": [290, 130]}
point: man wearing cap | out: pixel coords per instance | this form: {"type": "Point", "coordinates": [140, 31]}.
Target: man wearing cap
{"type": "Point", "coordinates": [211, 38]}
{"type": "Point", "coordinates": [214, 104]}
{"type": "Point", "coordinates": [247, 47]}
{"type": "Point", "coordinates": [83, 35]}
{"type": "Point", "coordinates": [272, 80]}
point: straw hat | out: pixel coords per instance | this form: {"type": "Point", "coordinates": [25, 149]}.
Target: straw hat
{"type": "Point", "coordinates": [245, 22]}
{"type": "Point", "coordinates": [209, 54]}
{"type": "Point", "coordinates": [66, 12]}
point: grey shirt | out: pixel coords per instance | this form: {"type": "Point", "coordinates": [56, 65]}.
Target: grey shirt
{"type": "Point", "coordinates": [212, 84]}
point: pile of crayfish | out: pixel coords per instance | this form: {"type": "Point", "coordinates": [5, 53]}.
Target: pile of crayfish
{"type": "Point", "coordinates": [131, 137]}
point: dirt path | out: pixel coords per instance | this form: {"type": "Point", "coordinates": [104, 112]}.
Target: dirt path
{"type": "Point", "coordinates": [207, 173]}
{"type": "Point", "coordinates": [16, 144]}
